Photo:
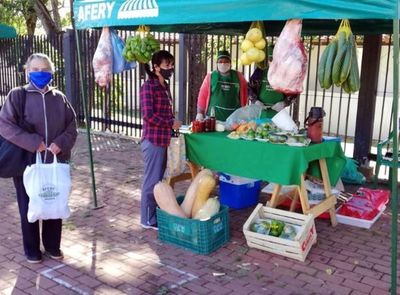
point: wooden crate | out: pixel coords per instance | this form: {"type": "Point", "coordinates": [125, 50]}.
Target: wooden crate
{"type": "Point", "coordinates": [297, 249]}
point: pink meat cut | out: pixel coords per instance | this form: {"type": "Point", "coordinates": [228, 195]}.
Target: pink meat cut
{"type": "Point", "coordinates": [289, 65]}
{"type": "Point", "coordinates": [102, 59]}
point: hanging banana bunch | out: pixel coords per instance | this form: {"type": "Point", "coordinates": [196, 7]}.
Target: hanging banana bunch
{"type": "Point", "coordinates": [338, 64]}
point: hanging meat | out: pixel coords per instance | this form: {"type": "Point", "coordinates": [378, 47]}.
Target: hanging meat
{"type": "Point", "coordinates": [289, 65]}
{"type": "Point", "coordinates": [102, 59]}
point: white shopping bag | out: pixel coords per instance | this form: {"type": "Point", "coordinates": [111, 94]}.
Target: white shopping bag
{"type": "Point", "coordinates": [176, 157]}
{"type": "Point", "coordinates": [48, 187]}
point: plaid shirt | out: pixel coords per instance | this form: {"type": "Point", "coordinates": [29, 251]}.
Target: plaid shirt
{"type": "Point", "coordinates": [156, 103]}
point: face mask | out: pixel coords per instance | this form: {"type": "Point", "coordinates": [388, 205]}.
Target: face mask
{"type": "Point", "coordinates": [40, 79]}
{"type": "Point", "coordinates": [166, 73]}
{"type": "Point", "coordinates": [223, 67]}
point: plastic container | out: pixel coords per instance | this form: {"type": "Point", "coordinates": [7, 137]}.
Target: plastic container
{"type": "Point", "coordinates": [238, 192]}
{"type": "Point", "coordinates": [201, 237]}
{"type": "Point", "coordinates": [358, 222]}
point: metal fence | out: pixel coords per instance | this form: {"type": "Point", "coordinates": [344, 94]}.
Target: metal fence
{"type": "Point", "coordinates": [14, 53]}
{"type": "Point", "coordinates": [117, 108]}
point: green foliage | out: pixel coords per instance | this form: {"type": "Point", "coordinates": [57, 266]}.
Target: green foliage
{"type": "Point", "coordinates": [66, 20]}
{"type": "Point", "coordinates": [12, 13]}
{"type": "Point", "coordinates": [21, 14]}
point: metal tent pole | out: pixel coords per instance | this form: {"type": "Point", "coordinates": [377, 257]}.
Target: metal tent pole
{"type": "Point", "coordinates": [85, 109]}
{"type": "Point", "coordinates": [394, 188]}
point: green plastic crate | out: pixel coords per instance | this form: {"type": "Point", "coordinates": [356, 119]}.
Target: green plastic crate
{"type": "Point", "coordinates": [200, 237]}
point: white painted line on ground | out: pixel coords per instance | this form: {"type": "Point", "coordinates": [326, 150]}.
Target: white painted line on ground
{"type": "Point", "coordinates": [47, 274]}
{"type": "Point", "coordinates": [190, 276]}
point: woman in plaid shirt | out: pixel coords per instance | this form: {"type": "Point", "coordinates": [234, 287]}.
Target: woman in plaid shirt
{"type": "Point", "coordinates": [158, 122]}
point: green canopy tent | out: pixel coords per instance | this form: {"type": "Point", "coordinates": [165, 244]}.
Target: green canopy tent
{"type": "Point", "coordinates": [7, 31]}
{"type": "Point", "coordinates": [234, 16]}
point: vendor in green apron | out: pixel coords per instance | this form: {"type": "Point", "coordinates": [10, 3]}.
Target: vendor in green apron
{"type": "Point", "coordinates": [223, 90]}
{"type": "Point", "coordinates": [260, 91]}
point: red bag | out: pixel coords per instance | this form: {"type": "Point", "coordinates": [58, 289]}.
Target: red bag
{"type": "Point", "coordinates": [365, 203]}
{"type": "Point", "coordinates": [358, 208]}
{"type": "Point", "coordinates": [378, 198]}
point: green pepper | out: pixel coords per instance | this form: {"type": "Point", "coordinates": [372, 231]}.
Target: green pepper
{"type": "Point", "coordinates": [276, 228]}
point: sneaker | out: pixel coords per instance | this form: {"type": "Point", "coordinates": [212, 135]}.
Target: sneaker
{"type": "Point", "coordinates": [148, 226]}
{"type": "Point", "coordinates": [34, 259]}
{"type": "Point", "coordinates": [56, 255]}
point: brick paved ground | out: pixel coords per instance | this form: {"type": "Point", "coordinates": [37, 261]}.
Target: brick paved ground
{"type": "Point", "coordinates": [107, 252]}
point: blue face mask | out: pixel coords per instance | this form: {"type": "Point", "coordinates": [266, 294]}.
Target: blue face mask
{"type": "Point", "coordinates": [40, 79]}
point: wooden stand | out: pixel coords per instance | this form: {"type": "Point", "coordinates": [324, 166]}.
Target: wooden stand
{"type": "Point", "coordinates": [327, 205]}
{"type": "Point", "coordinates": [194, 169]}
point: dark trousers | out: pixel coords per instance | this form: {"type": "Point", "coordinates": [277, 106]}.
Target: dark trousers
{"type": "Point", "coordinates": [155, 160]}
{"type": "Point", "coordinates": [51, 229]}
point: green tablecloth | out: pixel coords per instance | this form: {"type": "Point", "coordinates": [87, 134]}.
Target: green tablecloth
{"type": "Point", "coordinates": [275, 163]}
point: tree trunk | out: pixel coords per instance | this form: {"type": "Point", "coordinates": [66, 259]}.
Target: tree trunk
{"type": "Point", "coordinates": [56, 14]}
{"type": "Point", "coordinates": [30, 20]}
{"type": "Point", "coordinates": [43, 14]}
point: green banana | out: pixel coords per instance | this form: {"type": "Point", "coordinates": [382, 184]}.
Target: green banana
{"type": "Point", "coordinates": [346, 87]}
{"type": "Point", "coordinates": [329, 64]}
{"type": "Point", "coordinates": [354, 75]}
{"type": "Point", "coordinates": [341, 37]}
{"type": "Point", "coordinates": [339, 59]}
{"type": "Point", "coordinates": [321, 66]}
{"type": "Point", "coordinates": [346, 66]}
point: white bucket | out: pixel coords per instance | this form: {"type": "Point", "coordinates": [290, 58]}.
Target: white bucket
{"type": "Point", "coordinates": [284, 121]}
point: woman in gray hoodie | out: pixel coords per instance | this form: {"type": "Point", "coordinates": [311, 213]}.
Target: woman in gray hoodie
{"type": "Point", "coordinates": [50, 114]}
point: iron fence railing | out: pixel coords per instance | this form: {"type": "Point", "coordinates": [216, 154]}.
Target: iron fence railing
{"type": "Point", "coordinates": [117, 108]}
{"type": "Point", "coordinates": [15, 52]}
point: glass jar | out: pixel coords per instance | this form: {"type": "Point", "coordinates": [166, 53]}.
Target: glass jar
{"type": "Point", "coordinates": [207, 125]}
{"type": "Point", "coordinates": [212, 124]}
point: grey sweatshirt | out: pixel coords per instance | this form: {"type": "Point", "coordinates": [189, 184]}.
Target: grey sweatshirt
{"type": "Point", "coordinates": [49, 113]}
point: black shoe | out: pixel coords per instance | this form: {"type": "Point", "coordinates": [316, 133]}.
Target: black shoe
{"type": "Point", "coordinates": [34, 258]}
{"type": "Point", "coordinates": [56, 255]}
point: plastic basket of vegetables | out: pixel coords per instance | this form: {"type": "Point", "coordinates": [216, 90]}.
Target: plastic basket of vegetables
{"type": "Point", "coordinates": [202, 237]}
{"type": "Point", "coordinates": [280, 232]}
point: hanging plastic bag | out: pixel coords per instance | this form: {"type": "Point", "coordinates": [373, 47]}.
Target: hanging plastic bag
{"type": "Point", "coordinates": [48, 187]}
{"type": "Point", "coordinates": [103, 59]}
{"type": "Point", "coordinates": [176, 157]}
{"type": "Point", "coordinates": [254, 46]}
{"type": "Point", "coordinates": [119, 63]}
{"type": "Point", "coordinates": [141, 46]}
{"type": "Point", "coordinates": [289, 64]}
{"type": "Point", "coordinates": [338, 63]}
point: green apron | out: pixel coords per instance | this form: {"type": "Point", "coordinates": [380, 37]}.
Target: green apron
{"type": "Point", "coordinates": [268, 96]}
{"type": "Point", "coordinates": [225, 93]}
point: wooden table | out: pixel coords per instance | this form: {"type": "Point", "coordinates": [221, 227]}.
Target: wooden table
{"type": "Point", "coordinates": [279, 164]}
{"type": "Point", "coordinates": [326, 205]}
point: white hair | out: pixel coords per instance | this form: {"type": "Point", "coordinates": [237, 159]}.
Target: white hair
{"type": "Point", "coordinates": [41, 56]}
